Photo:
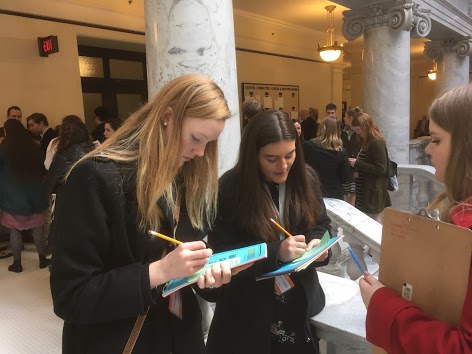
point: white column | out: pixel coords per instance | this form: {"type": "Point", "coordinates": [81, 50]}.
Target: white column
{"type": "Point", "coordinates": [386, 65]}
{"type": "Point", "coordinates": [452, 59]}
{"type": "Point", "coordinates": [195, 36]}
{"type": "Point", "coordinates": [386, 86]}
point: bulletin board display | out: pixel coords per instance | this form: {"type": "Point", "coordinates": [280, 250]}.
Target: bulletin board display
{"type": "Point", "coordinates": [273, 97]}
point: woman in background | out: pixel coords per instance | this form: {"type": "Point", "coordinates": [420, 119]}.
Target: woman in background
{"type": "Point", "coordinates": [352, 145]}
{"type": "Point", "coordinates": [325, 154]}
{"type": "Point", "coordinates": [111, 126]}
{"type": "Point", "coordinates": [372, 166]}
{"type": "Point", "coordinates": [270, 180]}
{"type": "Point", "coordinates": [72, 144]}
{"type": "Point", "coordinates": [298, 126]}
{"type": "Point", "coordinates": [393, 323]}
{"type": "Point", "coordinates": [22, 196]}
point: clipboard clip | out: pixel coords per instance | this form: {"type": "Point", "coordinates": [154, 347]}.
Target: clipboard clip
{"type": "Point", "coordinates": [433, 215]}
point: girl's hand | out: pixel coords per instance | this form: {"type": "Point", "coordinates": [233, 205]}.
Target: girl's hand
{"type": "Point", "coordinates": [312, 244]}
{"type": "Point", "coordinates": [219, 274]}
{"type": "Point", "coordinates": [369, 285]}
{"type": "Point", "coordinates": [292, 248]}
{"type": "Point", "coordinates": [185, 260]}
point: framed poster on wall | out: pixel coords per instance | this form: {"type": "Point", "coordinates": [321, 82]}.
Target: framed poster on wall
{"type": "Point", "coordinates": [278, 97]}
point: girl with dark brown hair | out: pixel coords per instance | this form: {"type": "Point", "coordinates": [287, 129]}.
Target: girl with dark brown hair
{"type": "Point", "coordinates": [270, 180]}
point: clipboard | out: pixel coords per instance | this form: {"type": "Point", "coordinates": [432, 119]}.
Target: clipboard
{"type": "Point", "coordinates": [427, 262]}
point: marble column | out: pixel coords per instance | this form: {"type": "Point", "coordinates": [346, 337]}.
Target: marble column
{"type": "Point", "coordinates": [386, 65]}
{"type": "Point", "coordinates": [452, 59]}
{"type": "Point", "coordinates": [195, 36]}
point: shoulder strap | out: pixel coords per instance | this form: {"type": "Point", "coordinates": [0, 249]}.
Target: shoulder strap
{"type": "Point", "coordinates": [133, 337]}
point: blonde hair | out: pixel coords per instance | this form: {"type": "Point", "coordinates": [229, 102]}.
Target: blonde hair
{"type": "Point", "coordinates": [142, 140]}
{"type": "Point", "coordinates": [369, 127]}
{"type": "Point", "coordinates": [328, 135]}
{"type": "Point", "coordinates": [452, 112]}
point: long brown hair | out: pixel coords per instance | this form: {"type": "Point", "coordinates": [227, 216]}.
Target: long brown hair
{"type": "Point", "coordinates": [142, 141]}
{"type": "Point", "coordinates": [25, 157]}
{"type": "Point", "coordinates": [328, 135]}
{"type": "Point", "coordinates": [255, 205]}
{"type": "Point", "coordinates": [453, 113]}
{"type": "Point", "coordinates": [369, 127]}
{"type": "Point", "coordinates": [73, 131]}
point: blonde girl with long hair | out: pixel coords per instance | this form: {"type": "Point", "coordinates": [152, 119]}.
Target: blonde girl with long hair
{"type": "Point", "coordinates": [325, 154]}
{"type": "Point", "coordinates": [158, 171]}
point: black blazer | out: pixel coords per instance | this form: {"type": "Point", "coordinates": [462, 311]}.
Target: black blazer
{"type": "Point", "coordinates": [332, 168]}
{"type": "Point", "coordinates": [245, 307]}
{"type": "Point", "coordinates": [48, 135]}
{"type": "Point", "coordinates": [100, 270]}
{"type": "Point", "coordinates": [309, 128]}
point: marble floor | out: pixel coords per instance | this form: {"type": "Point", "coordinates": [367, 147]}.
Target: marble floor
{"type": "Point", "coordinates": [27, 322]}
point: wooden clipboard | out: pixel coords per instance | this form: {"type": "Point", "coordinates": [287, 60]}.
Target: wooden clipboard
{"type": "Point", "coordinates": [428, 260]}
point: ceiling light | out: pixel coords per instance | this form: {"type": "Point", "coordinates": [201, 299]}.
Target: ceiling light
{"type": "Point", "coordinates": [432, 73]}
{"type": "Point", "coordinates": [331, 51]}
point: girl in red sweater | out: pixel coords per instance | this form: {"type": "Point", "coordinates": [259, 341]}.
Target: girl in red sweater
{"type": "Point", "coordinates": [397, 325]}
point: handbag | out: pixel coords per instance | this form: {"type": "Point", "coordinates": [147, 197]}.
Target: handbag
{"type": "Point", "coordinates": [392, 180]}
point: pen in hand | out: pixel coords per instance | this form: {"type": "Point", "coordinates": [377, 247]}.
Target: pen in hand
{"type": "Point", "coordinates": [355, 259]}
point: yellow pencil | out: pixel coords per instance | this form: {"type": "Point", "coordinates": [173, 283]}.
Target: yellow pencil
{"type": "Point", "coordinates": [164, 237]}
{"type": "Point", "coordinates": [281, 228]}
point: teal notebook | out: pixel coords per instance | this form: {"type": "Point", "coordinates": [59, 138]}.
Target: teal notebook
{"type": "Point", "coordinates": [236, 258]}
{"type": "Point", "coordinates": [304, 261]}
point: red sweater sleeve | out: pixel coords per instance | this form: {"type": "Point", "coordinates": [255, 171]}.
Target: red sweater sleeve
{"type": "Point", "coordinates": [398, 326]}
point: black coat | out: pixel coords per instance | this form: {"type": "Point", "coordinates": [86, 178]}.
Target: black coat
{"type": "Point", "coordinates": [97, 133]}
{"type": "Point", "coordinates": [352, 144]}
{"type": "Point", "coordinates": [332, 168]}
{"type": "Point", "coordinates": [309, 128]}
{"type": "Point", "coordinates": [100, 270]}
{"type": "Point", "coordinates": [245, 307]}
{"type": "Point", "coordinates": [62, 162]}
{"type": "Point", "coordinates": [48, 135]}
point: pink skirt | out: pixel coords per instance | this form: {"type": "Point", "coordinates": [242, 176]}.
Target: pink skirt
{"type": "Point", "coordinates": [21, 222]}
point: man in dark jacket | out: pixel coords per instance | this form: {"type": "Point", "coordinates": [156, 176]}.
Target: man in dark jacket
{"type": "Point", "coordinates": [309, 125]}
{"type": "Point", "coordinates": [101, 115]}
{"type": "Point", "coordinates": [38, 125]}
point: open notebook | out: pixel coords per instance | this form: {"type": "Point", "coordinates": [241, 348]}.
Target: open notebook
{"type": "Point", "coordinates": [305, 260]}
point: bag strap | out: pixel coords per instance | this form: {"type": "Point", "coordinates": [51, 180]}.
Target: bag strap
{"type": "Point", "coordinates": [133, 337]}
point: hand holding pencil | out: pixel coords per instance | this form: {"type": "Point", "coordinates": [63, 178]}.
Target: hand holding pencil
{"type": "Point", "coordinates": [292, 247]}
{"type": "Point", "coordinates": [185, 260]}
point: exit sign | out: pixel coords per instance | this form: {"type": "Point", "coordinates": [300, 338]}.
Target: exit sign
{"type": "Point", "coordinates": [47, 45]}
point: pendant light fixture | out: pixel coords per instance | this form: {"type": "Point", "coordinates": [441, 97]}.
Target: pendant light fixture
{"type": "Point", "coordinates": [433, 72]}
{"type": "Point", "coordinates": [331, 51]}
